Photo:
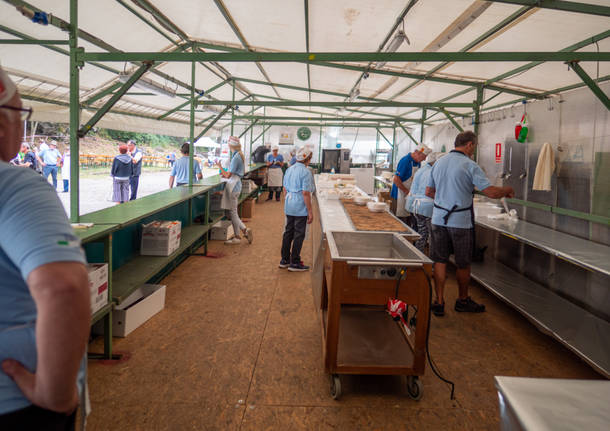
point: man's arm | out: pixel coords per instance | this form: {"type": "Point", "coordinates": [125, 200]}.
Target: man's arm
{"type": "Point", "coordinates": [430, 192]}
{"type": "Point", "coordinates": [398, 182]}
{"type": "Point", "coordinates": [171, 181]}
{"type": "Point", "coordinates": [137, 157]}
{"type": "Point", "coordinates": [307, 199]}
{"type": "Point", "coordinates": [199, 176]}
{"type": "Point", "coordinates": [494, 192]}
{"type": "Point", "coordinates": [61, 293]}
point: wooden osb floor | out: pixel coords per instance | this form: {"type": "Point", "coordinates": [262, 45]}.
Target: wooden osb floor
{"type": "Point", "coordinates": [238, 347]}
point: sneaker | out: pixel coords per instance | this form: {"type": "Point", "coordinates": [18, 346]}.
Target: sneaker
{"type": "Point", "coordinates": [233, 241]}
{"type": "Point", "coordinates": [298, 267]}
{"type": "Point", "coordinates": [438, 309]}
{"type": "Point", "coordinates": [284, 264]}
{"type": "Point", "coordinates": [249, 235]}
{"type": "Point", "coordinates": [270, 198]}
{"type": "Point", "coordinates": [468, 306]}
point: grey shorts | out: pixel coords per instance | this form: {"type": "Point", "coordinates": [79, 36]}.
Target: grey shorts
{"type": "Point", "coordinates": [445, 241]}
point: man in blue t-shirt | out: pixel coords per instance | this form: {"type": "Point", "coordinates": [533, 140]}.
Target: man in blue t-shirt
{"type": "Point", "coordinates": [404, 171]}
{"type": "Point", "coordinates": [451, 184]}
{"type": "Point", "coordinates": [299, 186]}
{"type": "Point", "coordinates": [45, 307]}
{"type": "Point", "coordinates": [180, 170]}
{"type": "Point", "coordinates": [50, 158]}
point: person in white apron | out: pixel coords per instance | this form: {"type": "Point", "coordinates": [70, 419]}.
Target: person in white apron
{"type": "Point", "coordinates": [230, 196]}
{"type": "Point", "coordinates": [45, 308]}
{"type": "Point", "coordinates": [402, 177]}
{"type": "Point", "coordinates": [420, 205]}
{"type": "Point", "coordinates": [275, 162]}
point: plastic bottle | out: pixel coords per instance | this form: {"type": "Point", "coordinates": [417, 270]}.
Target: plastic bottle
{"type": "Point", "coordinates": [332, 171]}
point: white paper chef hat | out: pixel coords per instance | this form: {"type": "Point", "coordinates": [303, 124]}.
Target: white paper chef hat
{"type": "Point", "coordinates": [7, 87]}
{"type": "Point", "coordinates": [424, 149]}
{"type": "Point", "coordinates": [234, 141]}
{"type": "Point", "coordinates": [303, 154]}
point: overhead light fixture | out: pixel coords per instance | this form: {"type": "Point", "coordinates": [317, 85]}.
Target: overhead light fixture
{"type": "Point", "coordinates": [398, 40]}
{"type": "Point", "coordinates": [149, 85]}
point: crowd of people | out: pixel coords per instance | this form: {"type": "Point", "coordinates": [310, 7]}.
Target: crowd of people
{"type": "Point", "coordinates": [125, 171]}
{"type": "Point", "coordinates": [45, 159]}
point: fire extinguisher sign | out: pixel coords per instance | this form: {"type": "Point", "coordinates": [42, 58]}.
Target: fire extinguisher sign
{"type": "Point", "coordinates": [498, 152]}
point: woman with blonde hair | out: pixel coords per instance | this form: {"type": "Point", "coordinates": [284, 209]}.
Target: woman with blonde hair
{"type": "Point", "coordinates": [230, 197]}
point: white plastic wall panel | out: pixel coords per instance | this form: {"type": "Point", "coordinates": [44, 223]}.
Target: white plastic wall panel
{"type": "Point", "coordinates": [276, 24]}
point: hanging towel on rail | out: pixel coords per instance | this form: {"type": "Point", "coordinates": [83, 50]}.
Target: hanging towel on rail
{"type": "Point", "coordinates": [544, 168]}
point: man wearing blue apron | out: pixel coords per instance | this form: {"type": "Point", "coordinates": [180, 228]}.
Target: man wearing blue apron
{"type": "Point", "coordinates": [45, 307]}
{"type": "Point", "coordinates": [451, 184]}
{"type": "Point", "coordinates": [299, 186]}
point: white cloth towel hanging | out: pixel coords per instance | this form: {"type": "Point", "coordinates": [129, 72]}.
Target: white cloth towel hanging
{"type": "Point", "coordinates": [544, 168]}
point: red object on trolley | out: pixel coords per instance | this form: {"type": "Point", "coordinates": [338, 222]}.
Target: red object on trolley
{"type": "Point", "coordinates": [396, 308]}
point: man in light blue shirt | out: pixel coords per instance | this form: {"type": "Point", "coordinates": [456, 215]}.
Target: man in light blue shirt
{"type": "Point", "coordinates": [45, 306]}
{"type": "Point", "coordinates": [299, 186]}
{"type": "Point", "coordinates": [50, 157]}
{"type": "Point", "coordinates": [180, 169]}
{"type": "Point", "coordinates": [451, 184]}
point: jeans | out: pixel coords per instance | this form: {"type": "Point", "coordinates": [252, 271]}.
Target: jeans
{"type": "Point", "coordinates": [294, 234]}
{"type": "Point", "coordinates": [278, 193]}
{"type": "Point", "coordinates": [37, 418]}
{"type": "Point", "coordinates": [50, 169]}
{"type": "Point", "coordinates": [238, 225]}
{"type": "Point", "coordinates": [66, 186]}
{"type": "Point", "coordinates": [133, 183]}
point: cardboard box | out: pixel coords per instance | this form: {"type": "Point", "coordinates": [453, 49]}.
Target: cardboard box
{"type": "Point", "coordinates": [160, 238]}
{"type": "Point", "coordinates": [137, 308]}
{"type": "Point", "coordinates": [384, 197]}
{"type": "Point", "coordinates": [215, 199]}
{"type": "Point", "coordinates": [247, 208]}
{"type": "Point", "coordinates": [222, 231]}
{"type": "Point", "coordinates": [98, 285]}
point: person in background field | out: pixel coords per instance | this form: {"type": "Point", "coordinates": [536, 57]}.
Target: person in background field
{"type": "Point", "coordinates": [403, 173]}
{"type": "Point", "coordinates": [136, 158]}
{"type": "Point", "coordinates": [180, 171]}
{"type": "Point", "coordinates": [121, 171]}
{"type": "Point", "coordinates": [65, 170]}
{"type": "Point", "coordinates": [232, 190]}
{"type": "Point", "coordinates": [275, 161]}
{"type": "Point", "coordinates": [451, 184]}
{"type": "Point", "coordinates": [50, 159]}
{"type": "Point", "coordinates": [172, 159]}
{"type": "Point", "coordinates": [419, 204]}
{"type": "Point", "coordinates": [29, 157]}
{"type": "Point", "coordinates": [299, 186]}
{"type": "Point", "coordinates": [44, 292]}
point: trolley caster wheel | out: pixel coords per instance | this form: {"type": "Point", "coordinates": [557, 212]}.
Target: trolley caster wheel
{"type": "Point", "coordinates": [415, 388]}
{"type": "Point", "coordinates": [335, 387]}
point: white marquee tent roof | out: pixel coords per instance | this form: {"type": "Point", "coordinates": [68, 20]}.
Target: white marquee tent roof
{"type": "Point", "coordinates": [280, 26]}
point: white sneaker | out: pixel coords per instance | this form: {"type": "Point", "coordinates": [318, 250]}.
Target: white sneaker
{"type": "Point", "coordinates": [233, 241]}
{"type": "Point", "coordinates": [249, 235]}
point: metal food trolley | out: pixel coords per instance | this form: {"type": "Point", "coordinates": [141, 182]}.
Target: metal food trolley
{"type": "Point", "coordinates": [361, 272]}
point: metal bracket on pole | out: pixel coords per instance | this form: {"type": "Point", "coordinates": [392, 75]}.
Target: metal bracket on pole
{"type": "Point", "coordinates": [114, 99]}
{"type": "Point", "coordinates": [590, 83]}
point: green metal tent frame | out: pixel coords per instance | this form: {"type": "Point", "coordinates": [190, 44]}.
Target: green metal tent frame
{"type": "Point", "coordinates": [184, 49]}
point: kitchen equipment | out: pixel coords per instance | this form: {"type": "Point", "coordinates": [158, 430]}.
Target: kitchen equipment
{"type": "Point", "coordinates": [377, 207]}
{"type": "Point", "coordinates": [361, 273]}
{"type": "Point", "coordinates": [337, 159]}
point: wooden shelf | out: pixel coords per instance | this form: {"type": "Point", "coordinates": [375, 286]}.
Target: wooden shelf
{"type": "Point", "coordinates": [139, 270]}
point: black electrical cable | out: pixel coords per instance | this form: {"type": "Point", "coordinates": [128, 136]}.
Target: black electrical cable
{"type": "Point", "coordinates": [430, 361]}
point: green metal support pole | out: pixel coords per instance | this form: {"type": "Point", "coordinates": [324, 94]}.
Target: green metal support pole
{"type": "Point", "coordinates": [41, 42]}
{"type": "Point", "coordinates": [424, 112]}
{"type": "Point", "coordinates": [248, 128]}
{"type": "Point", "coordinates": [376, 150]}
{"type": "Point", "coordinates": [209, 126]}
{"type": "Point", "coordinates": [74, 115]}
{"type": "Point", "coordinates": [477, 117]}
{"type": "Point", "coordinates": [408, 134]}
{"type": "Point", "coordinates": [339, 104]}
{"type": "Point", "coordinates": [265, 128]}
{"type": "Point", "coordinates": [566, 6]}
{"type": "Point", "coordinates": [320, 150]}
{"type": "Point", "coordinates": [233, 108]}
{"type": "Point", "coordinates": [384, 138]}
{"type": "Point", "coordinates": [450, 118]}
{"type": "Point", "coordinates": [591, 84]}
{"type": "Point", "coordinates": [192, 132]}
{"type": "Point", "coordinates": [264, 122]}
{"type": "Point", "coordinates": [394, 149]}
{"type": "Point", "coordinates": [113, 100]}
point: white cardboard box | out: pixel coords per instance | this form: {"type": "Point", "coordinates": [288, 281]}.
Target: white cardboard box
{"type": "Point", "coordinates": [160, 238]}
{"type": "Point", "coordinates": [137, 308]}
{"type": "Point", "coordinates": [248, 186]}
{"type": "Point", "coordinates": [98, 285]}
{"type": "Point", "coordinates": [222, 231]}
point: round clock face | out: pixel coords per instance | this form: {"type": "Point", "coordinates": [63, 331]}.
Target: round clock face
{"type": "Point", "coordinates": [304, 133]}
